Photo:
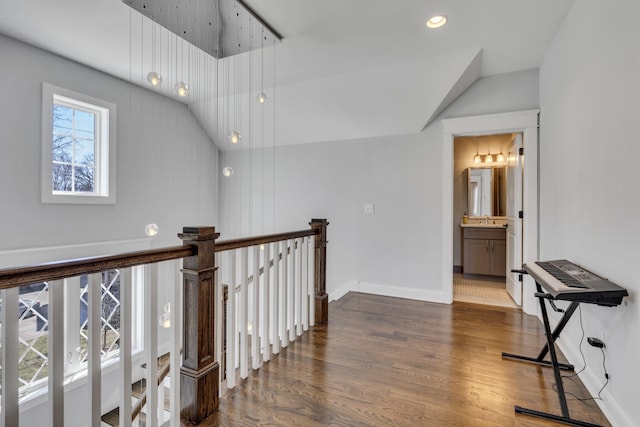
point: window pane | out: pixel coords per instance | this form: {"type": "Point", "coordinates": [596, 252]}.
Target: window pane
{"type": "Point", "coordinates": [84, 124]}
{"type": "Point", "coordinates": [83, 179]}
{"type": "Point", "coordinates": [61, 177]}
{"type": "Point", "coordinates": [33, 337]}
{"type": "Point", "coordinates": [62, 119]}
{"type": "Point", "coordinates": [84, 151]}
{"type": "Point", "coordinates": [62, 146]}
{"type": "Point", "coordinates": [109, 314]}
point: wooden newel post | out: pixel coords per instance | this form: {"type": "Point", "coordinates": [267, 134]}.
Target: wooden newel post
{"type": "Point", "coordinates": [199, 374]}
{"type": "Point", "coordinates": [320, 279]}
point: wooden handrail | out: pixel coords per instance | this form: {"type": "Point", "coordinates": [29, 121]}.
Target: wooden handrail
{"type": "Point", "coordinates": [19, 276]}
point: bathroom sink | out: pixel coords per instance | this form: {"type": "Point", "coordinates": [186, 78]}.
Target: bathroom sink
{"type": "Point", "coordinates": [490, 225]}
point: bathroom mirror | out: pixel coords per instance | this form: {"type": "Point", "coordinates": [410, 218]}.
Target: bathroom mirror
{"type": "Point", "coordinates": [487, 191]}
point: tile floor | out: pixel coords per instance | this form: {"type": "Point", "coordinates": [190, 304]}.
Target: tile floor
{"type": "Point", "coordinates": [481, 291]}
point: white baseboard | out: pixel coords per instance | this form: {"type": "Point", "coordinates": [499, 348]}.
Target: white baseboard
{"type": "Point", "coordinates": [387, 290]}
{"type": "Point", "coordinates": [608, 405]}
{"type": "Point", "coordinates": [351, 285]}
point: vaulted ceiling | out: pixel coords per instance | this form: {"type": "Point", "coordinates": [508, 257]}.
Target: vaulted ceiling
{"type": "Point", "coordinates": [344, 69]}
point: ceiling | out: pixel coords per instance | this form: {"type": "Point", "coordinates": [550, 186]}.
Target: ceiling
{"type": "Point", "coordinates": [344, 69]}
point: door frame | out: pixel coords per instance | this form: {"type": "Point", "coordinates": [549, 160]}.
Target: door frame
{"type": "Point", "coordinates": [525, 122]}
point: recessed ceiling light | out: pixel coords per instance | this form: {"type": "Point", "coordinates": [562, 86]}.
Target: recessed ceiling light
{"type": "Point", "coordinates": [437, 21]}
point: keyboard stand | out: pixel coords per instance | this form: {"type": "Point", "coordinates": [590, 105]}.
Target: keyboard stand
{"type": "Point", "coordinates": [550, 348]}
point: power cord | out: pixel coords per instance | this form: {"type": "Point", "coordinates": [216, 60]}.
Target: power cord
{"type": "Point", "coordinates": [584, 363]}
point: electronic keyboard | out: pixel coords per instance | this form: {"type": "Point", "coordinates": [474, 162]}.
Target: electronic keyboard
{"type": "Point", "coordinates": [564, 280]}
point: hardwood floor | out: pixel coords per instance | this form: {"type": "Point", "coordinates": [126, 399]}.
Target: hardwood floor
{"type": "Point", "coordinates": [393, 362]}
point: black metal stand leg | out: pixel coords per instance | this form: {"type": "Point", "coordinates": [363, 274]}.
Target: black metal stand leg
{"type": "Point", "coordinates": [565, 420]}
{"type": "Point", "coordinates": [554, 359]}
{"type": "Point", "coordinates": [550, 347]}
{"type": "Point", "coordinates": [559, 328]}
{"type": "Point", "coordinates": [539, 360]}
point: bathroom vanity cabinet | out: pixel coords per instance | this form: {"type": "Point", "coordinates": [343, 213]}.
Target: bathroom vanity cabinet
{"type": "Point", "coordinates": [485, 251]}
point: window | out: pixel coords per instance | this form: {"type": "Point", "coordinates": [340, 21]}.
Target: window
{"type": "Point", "coordinates": [78, 148]}
{"type": "Point", "coordinates": [33, 312]}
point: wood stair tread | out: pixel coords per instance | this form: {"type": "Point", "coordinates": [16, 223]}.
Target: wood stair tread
{"type": "Point", "coordinates": [137, 390]}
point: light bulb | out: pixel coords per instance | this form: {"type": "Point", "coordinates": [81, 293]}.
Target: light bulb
{"type": "Point", "coordinates": [476, 158]}
{"type": "Point", "coordinates": [182, 89]}
{"type": "Point", "coordinates": [234, 136]}
{"type": "Point", "coordinates": [436, 21]}
{"type": "Point", "coordinates": [262, 98]}
{"type": "Point", "coordinates": [488, 158]}
{"type": "Point", "coordinates": [227, 171]}
{"type": "Point", "coordinates": [501, 157]}
{"type": "Point", "coordinates": [151, 230]}
{"type": "Point", "coordinates": [154, 78]}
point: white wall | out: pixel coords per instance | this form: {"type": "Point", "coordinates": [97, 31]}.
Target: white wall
{"type": "Point", "coordinates": [166, 173]}
{"type": "Point", "coordinates": [396, 251]}
{"type": "Point", "coordinates": [166, 165]}
{"type": "Point", "coordinates": [589, 193]}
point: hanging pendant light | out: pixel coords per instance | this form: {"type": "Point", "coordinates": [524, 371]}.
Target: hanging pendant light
{"type": "Point", "coordinates": [227, 171]}
{"type": "Point", "coordinates": [476, 158]}
{"type": "Point", "coordinates": [151, 230]}
{"type": "Point", "coordinates": [182, 89]}
{"type": "Point", "coordinates": [154, 78]}
{"type": "Point", "coordinates": [500, 157]}
{"type": "Point", "coordinates": [488, 158]}
{"type": "Point", "coordinates": [234, 136]}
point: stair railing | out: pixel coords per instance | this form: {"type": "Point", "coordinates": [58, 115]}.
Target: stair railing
{"type": "Point", "coordinates": [298, 278]}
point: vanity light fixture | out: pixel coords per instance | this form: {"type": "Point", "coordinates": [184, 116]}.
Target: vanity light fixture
{"type": "Point", "coordinates": [154, 78]}
{"type": "Point", "coordinates": [437, 21]}
{"type": "Point", "coordinates": [182, 89]}
{"type": "Point", "coordinates": [476, 158]}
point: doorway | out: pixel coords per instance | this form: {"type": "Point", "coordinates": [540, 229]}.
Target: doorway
{"type": "Point", "coordinates": [485, 193]}
{"type": "Point", "coordinates": [526, 123]}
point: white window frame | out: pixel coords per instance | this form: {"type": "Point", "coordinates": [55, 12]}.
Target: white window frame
{"type": "Point", "coordinates": [105, 150]}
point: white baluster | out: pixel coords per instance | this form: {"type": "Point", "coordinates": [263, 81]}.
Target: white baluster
{"type": "Point", "coordinates": [218, 312]}
{"type": "Point", "coordinates": [93, 344]}
{"type": "Point", "coordinates": [266, 303]}
{"type": "Point", "coordinates": [55, 324]}
{"type": "Point", "coordinates": [275, 324]}
{"type": "Point", "coordinates": [175, 359]}
{"type": "Point", "coordinates": [311, 282]}
{"type": "Point", "coordinates": [292, 292]}
{"type": "Point", "coordinates": [299, 288]}
{"type": "Point", "coordinates": [304, 283]}
{"type": "Point", "coordinates": [232, 322]}
{"type": "Point", "coordinates": [126, 285]}
{"type": "Point", "coordinates": [255, 315]}
{"type": "Point", "coordinates": [244, 308]}
{"type": "Point", "coordinates": [9, 416]}
{"type": "Point", "coordinates": [151, 342]}
{"type": "Point", "coordinates": [284, 306]}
